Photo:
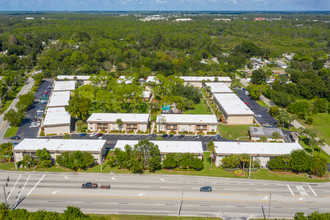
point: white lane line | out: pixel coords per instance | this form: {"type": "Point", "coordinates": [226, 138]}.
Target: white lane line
{"type": "Point", "coordinates": [290, 190]}
{"type": "Point", "coordinates": [19, 196]}
{"type": "Point", "coordinates": [161, 179]}
{"type": "Point", "coordinates": [113, 178]}
{"type": "Point", "coordinates": [36, 185]}
{"type": "Point", "coordinates": [12, 189]}
{"type": "Point", "coordinates": [312, 190]}
{"type": "Point", "coordinates": [302, 190]}
{"type": "Point", "coordinates": [141, 194]}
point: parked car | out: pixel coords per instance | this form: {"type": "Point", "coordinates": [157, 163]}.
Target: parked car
{"type": "Point", "coordinates": [153, 135]}
{"type": "Point", "coordinates": [246, 103]}
{"type": "Point", "coordinates": [44, 101]}
{"type": "Point", "coordinates": [247, 93]}
{"type": "Point", "coordinates": [164, 135]}
{"type": "Point", "coordinates": [199, 136]}
{"type": "Point", "coordinates": [15, 143]}
{"type": "Point", "coordinates": [105, 186]}
{"type": "Point", "coordinates": [93, 134]}
{"type": "Point", "coordinates": [181, 136]}
{"type": "Point", "coordinates": [258, 116]}
{"type": "Point", "coordinates": [217, 136]}
{"type": "Point", "coordinates": [89, 185]}
{"type": "Point", "coordinates": [49, 87]}
{"type": "Point", "coordinates": [82, 134]}
{"type": "Point", "coordinates": [34, 124]}
{"type": "Point", "coordinates": [40, 110]}
{"type": "Point", "coordinates": [46, 92]}
{"type": "Point", "coordinates": [170, 135]}
{"type": "Point", "coordinates": [99, 135]}
{"type": "Point", "coordinates": [206, 189]}
{"type": "Point", "coordinates": [15, 138]}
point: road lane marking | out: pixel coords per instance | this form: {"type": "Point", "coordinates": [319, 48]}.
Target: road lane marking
{"type": "Point", "coordinates": [312, 190]}
{"type": "Point", "coordinates": [161, 198]}
{"type": "Point", "coordinates": [302, 190]}
{"type": "Point", "coordinates": [3, 125]}
{"type": "Point", "coordinates": [113, 178]}
{"type": "Point", "coordinates": [19, 196]}
{"type": "Point", "coordinates": [12, 189]}
{"type": "Point", "coordinates": [36, 185]}
{"type": "Point", "coordinates": [55, 192]}
{"type": "Point", "coordinates": [161, 179]}
{"type": "Point", "coordinates": [141, 194]}
{"type": "Point", "coordinates": [290, 190]}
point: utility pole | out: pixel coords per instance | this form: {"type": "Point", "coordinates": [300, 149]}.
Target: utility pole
{"type": "Point", "coordinates": [270, 200]}
{"type": "Point", "coordinates": [4, 191]}
{"type": "Point", "coordinates": [250, 167]}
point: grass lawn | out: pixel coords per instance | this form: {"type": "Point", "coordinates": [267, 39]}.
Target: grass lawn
{"type": "Point", "coordinates": [145, 217]}
{"type": "Point", "coordinates": [234, 131]}
{"type": "Point", "coordinates": [262, 103]}
{"type": "Point", "coordinates": [201, 108]}
{"type": "Point", "coordinates": [6, 105]}
{"type": "Point", "coordinates": [321, 126]}
{"type": "Point", "coordinates": [215, 172]}
{"type": "Point", "coordinates": [317, 150]}
{"type": "Point", "coordinates": [11, 132]}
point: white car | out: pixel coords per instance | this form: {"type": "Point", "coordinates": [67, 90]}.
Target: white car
{"type": "Point", "coordinates": [40, 110]}
{"type": "Point", "coordinates": [34, 124]}
{"type": "Point", "coordinates": [258, 116]}
{"type": "Point", "coordinates": [247, 93]}
{"type": "Point", "coordinates": [93, 134]}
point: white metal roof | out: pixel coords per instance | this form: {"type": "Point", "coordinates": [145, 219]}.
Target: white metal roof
{"type": "Point", "coordinates": [152, 79]}
{"type": "Point", "coordinates": [255, 148]}
{"type": "Point", "coordinates": [146, 94]}
{"type": "Point", "coordinates": [232, 105]}
{"type": "Point", "coordinates": [194, 147]}
{"type": "Point", "coordinates": [206, 78]}
{"type": "Point", "coordinates": [219, 87]}
{"type": "Point", "coordinates": [70, 77]}
{"type": "Point", "coordinates": [261, 131]}
{"type": "Point", "coordinates": [126, 79]}
{"type": "Point", "coordinates": [59, 99]}
{"type": "Point", "coordinates": [112, 117]}
{"type": "Point", "coordinates": [64, 86]}
{"type": "Point", "coordinates": [57, 116]}
{"type": "Point", "coordinates": [187, 118]}
{"type": "Point", "coordinates": [60, 144]}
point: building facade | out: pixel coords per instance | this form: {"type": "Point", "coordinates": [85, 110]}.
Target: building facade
{"type": "Point", "coordinates": [185, 123]}
{"type": "Point", "coordinates": [123, 122]}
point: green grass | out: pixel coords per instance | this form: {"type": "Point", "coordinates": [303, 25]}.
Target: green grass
{"type": "Point", "coordinates": [201, 108]}
{"type": "Point", "coordinates": [317, 150]}
{"type": "Point", "coordinates": [6, 105]}
{"type": "Point", "coordinates": [215, 172]}
{"type": "Point", "coordinates": [145, 217]}
{"type": "Point", "coordinates": [11, 132]}
{"type": "Point", "coordinates": [262, 103]}
{"type": "Point", "coordinates": [234, 131]}
{"type": "Point", "coordinates": [321, 122]}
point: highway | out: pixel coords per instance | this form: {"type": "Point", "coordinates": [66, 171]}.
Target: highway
{"type": "Point", "coordinates": [164, 195]}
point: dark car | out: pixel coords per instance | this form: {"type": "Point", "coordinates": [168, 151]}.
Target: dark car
{"type": "Point", "coordinates": [217, 136]}
{"type": "Point", "coordinates": [49, 87]}
{"type": "Point", "coordinates": [153, 135]}
{"type": "Point", "coordinates": [164, 135]}
{"type": "Point", "coordinates": [82, 134]}
{"type": "Point", "coordinates": [181, 136]}
{"type": "Point", "coordinates": [170, 135]}
{"type": "Point", "coordinates": [15, 138]}
{"type": "Point", "coordinates": [89, 185]}
{"type": "Point", "coordinates": [99, 135]}
{"type": "Point", "coordinates": [206, 189]}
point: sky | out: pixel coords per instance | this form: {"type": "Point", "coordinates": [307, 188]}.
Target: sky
{"type": "Point", "coordinates": [164, 5]}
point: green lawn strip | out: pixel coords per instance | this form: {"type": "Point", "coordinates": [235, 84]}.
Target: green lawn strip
{"type": "Point", "coordinates": [144, 217]}
{"type": "Point", "coordinates": [234, 131]}
{"type": "Point", "coordinates": [317, 150]}
{"type": "Point", "coordinates": [262, 103]}
{"type": "Point", "coordinates": [11, 132]}
{"type": "Point", "coordinates": [6, 105]}
{"type": "Point", "coordinates": [201, 108]}
{"type": "Point", "coordinates": [321, 122]}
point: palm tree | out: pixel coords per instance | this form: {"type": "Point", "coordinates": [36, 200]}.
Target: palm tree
{"type": "Point", "coordinates": [245, 158]}
{"type": "Point", "coordinates": [286, 159]}
{"type": "Point", "coordinates": [119, 122]}
{"type": "Point", "coordinates": [211, 147]}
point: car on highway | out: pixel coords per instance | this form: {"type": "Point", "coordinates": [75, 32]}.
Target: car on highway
{"type": "Point", "coordinates": [93, 134]}
{"type": "Point", "coordinates": [170, 135]}
{"type": "Point", "coordinates": [82, 134]}
{"type": "Point", "coordinates": [206, 189]}
{"type": "Point", "coordinates": [15, 138]}
{"type": "Point", "coordinates": [164, 135]}
{"type": "Point", "coordinates": [89, 185]}
{"type": "Point", "coordinates": [217, 136]}
{"type": "Point", "coordinates": [181, 136]}
{"type": "Point", "coordinates": [258, 116]}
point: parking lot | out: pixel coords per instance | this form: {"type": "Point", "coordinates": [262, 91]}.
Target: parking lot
{"type": "Point", "coordinates": [258, 110]}
{"type": "Point", "coordinates": [25, 131]}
